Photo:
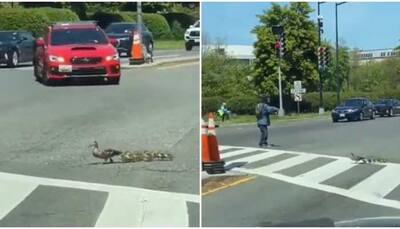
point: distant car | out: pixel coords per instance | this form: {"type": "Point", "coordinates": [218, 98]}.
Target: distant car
{"type": "Point", "coordinates": [354, 109]}
{"type": "Point", "coordinates": [389, 107]}
{"type": "Point", "coordinates": [75, 50]}
{"type": "Point", "coordinates": [16, 47]}
{"type": "Point", "coordinates": [123, 32]}
{"type": "Point", "coordinates": [192, 36]}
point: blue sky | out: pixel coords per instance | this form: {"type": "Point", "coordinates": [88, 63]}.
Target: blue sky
{"type": "Point", "coordinates": [364, 25]}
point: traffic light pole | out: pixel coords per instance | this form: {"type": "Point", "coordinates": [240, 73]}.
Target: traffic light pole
{"type": "Point", "coordinates": [139, 18]}
{"type": "Point", "coordinates": [281, 112]}
{"type": "Point", "coordinates": [321, 99]}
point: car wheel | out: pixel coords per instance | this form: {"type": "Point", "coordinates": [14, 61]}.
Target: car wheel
{"type": "Point", "coordinates": [360, 116]}
{"type": "Point", "coordinates": [188, 46]}
{"type": "Point", "coordinates": [373, 115]}
{"type": "Point", "coordinates": [13, 59]}
{"type": "Point", "coordinates": [391, 112]}
{"type": "Point", "coordinates": [45, 79]}
{"type": "Point", "coordinates": [36, 72]}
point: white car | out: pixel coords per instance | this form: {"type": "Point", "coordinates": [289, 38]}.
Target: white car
{"type": "Point", "coordinates": [192, 36]}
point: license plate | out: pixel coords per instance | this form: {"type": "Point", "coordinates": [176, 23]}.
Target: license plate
{"type": "Point", "coordinates": [341, 115]}
{"type": "Point", "coordinates": [65, 68]}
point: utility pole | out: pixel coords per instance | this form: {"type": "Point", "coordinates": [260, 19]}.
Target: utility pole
{"type": "Point", "coordinates": [139, 18]}
{"type": "Point", "coordinates": [337, 55]}
{"type": "Point", "coordinates": [321, 99]}
{"type": "Point", "coordinates": [279, 46]}
{"type": "Point", "coordinates": [281, 112]}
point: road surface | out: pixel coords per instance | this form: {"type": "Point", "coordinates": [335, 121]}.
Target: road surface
{"type": "Point", "coordinates": [308, 174]}
{"type": "Point", "coordinates": [48, 176]}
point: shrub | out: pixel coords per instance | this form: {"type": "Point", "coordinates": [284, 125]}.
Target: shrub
{"type": "Point", "coordinates": [311, 100]}
{"type": "Point", "coordinates": [243, 105]}
{"type": "Point", "coordinates": [156, 23]}
{"type": "Point", "coordinates": [57, 15]}
{"type": "Point", "coordinates": [104, 19]}
{"type": "Point", "coordinates": [24, 19]}
{"type": "Point", "coordinates": [184, 19]}
{"type": "Point", "coordinates": [177, 30]}
{"type": "Point", "coordinates": [211, 104]}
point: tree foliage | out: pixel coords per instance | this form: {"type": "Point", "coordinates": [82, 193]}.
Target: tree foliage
{"type": "Point", "coordinates": [300, 59]}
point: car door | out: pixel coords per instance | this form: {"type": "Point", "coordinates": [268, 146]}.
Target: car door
{"type": "Point", "coordinates": [29, 44]}
{"type": "Point", "coordinates": [367, 108]}
{"type": "Point", "coordinates": [396, 106]}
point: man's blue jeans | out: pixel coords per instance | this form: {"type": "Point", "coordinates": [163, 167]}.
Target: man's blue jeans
{"type": "Point", "coordinates": [264, 135]}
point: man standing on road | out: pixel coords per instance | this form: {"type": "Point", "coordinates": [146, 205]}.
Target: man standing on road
{"type": "Point", "coordinates": [263, 110]}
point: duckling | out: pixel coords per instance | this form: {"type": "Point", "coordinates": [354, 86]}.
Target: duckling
{"type": "Point", "coordinates": [106, 154]}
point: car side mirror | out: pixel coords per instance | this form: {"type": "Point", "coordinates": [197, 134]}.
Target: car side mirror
{"type": "Point", "coordinates": [39, 42]}
{"type": "Point", "coordinates": [114, 42]}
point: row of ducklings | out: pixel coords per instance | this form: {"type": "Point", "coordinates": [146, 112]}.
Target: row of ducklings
{"type": "Point", "coordinates": [136, 156]}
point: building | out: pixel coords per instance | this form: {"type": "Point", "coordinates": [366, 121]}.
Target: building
{"type": "Point", "coordinates": [365, 56]}
{"type": "Point", "coordinates": [241, 53]}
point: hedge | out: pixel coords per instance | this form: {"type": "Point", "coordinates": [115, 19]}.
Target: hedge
{"type": "Point", "coordinates": [311, 100]}
{"type": "Point", "coordinates": [237, 105]}
{"type": "Point", "coordinates": [104, 19]}
{"type": "Point", "coordinates": [184, 19]}
{"type": "Point", "coordinates": [57, 15]}
{"type": "Point", "coordinates": [24, 19]}
{"type": "Point", "coordinates": [156, 23]}
{"type": "Point", "coordinates": [35, 19]}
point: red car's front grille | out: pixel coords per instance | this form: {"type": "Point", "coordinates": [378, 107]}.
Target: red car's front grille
{"type": "Point", "coordinates": [86, 60]}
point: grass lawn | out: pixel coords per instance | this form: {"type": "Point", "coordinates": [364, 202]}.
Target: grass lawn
{"type": "Point", "coordinates": [169, 44]}
{"type": "Point", "coordinates": [275, 119]}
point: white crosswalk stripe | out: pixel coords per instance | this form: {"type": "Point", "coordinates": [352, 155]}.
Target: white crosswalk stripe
{"type": "Point", "coordinates": [124, 207]}
{"type": "Point", "coordinates": [372, 188]}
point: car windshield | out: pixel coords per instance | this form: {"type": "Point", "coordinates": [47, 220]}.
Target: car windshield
{"type": "Point", "coordinates": [351, 103]}
{"type": "Point", "coordinates": [7, 36]}
{"type": "Point", "coordinates": [121, 28]}
{"type": "Point", "coordinates": [78, 36]}
{"type": "Point", "coordinates": [383, 101]}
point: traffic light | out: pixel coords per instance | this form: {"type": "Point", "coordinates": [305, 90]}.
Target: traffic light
{"type": "Point", "coordinates": [321, 56]}
{"type": "Point", "coordinates": [282, 41]}
{"type": "Point", "coordinates": [320, 23]}
{"type": "Point", "coordinates": [327, 56]}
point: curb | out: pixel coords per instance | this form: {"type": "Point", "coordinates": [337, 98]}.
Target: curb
{"type": "Point", "coordinates": [162, 62]}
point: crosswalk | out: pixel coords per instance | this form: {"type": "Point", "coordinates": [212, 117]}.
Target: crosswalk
{"type": "Point", "coordinates": [122, 206]}
{"type": "Point", "coordinates": [376, 183]}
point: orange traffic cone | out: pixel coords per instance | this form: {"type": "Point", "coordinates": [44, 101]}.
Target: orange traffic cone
{"type": "Point", "coordinates": [137, 55]}
{"type": "Point", "coordinates": [213, 163]}
{"type": "Point", "coordinates": [205, 152]}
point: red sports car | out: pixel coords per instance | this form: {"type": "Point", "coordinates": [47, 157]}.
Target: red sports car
{"type": "Point", "coordinates": [79, 49]}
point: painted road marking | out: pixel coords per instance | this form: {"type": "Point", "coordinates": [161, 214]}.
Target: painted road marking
{"type": "Point", "coordinates": [240, 181]}
{"type": "Point", "coordinates": [122, 206]}
{"type": "Point", "coordinates": [237, 153]}
{"type": "Point", "coordinates": [12, 193]}
{"type": "Point", "coordinates": [379, 181]}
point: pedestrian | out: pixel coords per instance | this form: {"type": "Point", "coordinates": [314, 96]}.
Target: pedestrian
{"type": "Point", "coordinates": [223, 112]}
{"type": "Point", "coordinates": [263, 110]}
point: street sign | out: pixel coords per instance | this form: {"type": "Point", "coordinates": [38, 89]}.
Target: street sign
{"type": "Point", "coordinates": [297, 86]}
{"type": "Point", "coordinates": [298, 97]}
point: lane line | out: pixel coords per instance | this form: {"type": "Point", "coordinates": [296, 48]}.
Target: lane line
{"type": "Point", "coordinates": [281, 165]}
{"type": "Point", "coordinates": [12, 193]}
{"type": "Point", "coordinates": [255, 158]}
{"type": "Point", "coordinates": [95, 186]}
{"type": "Point", "coordinates": [241, 181]}
{"type": "Point", "coordinates": [381, 183]}
{"type": "Point", "coordinates": [327, 171]}
{"type": "Point", "coordinates": [237, 152]}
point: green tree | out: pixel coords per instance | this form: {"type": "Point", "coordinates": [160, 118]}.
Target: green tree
{"type": "Point", "coordinates": [299, 61]}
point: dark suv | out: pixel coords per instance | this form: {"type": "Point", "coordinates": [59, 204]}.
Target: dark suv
{"type": "Point", "coordinates": [123, 32]}
{"type": "Point", "coordinates": [16, 47]}
{"type": "Point", "coordinates": [354, 109]}
{"type": "Point", "coordinates": [76, 50]}
{"type": "Point", "coordinates": [389, 107]}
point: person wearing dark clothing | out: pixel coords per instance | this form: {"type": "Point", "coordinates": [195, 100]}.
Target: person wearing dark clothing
{"type": "Point", "coordinates": [263, 110]}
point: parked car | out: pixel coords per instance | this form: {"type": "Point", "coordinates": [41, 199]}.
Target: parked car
{"type": "Point", "coordinates": [354, 109]}
{"type": "Point", "coordinates": [389, 107]}
{"type": "Point", "coordinates": [79, 49]}
{"type": "Point", "coordinates": [192, 36]}
{"type": "Point", "coordinates": [16, 47]}
{"type": "Point", "coordinates": [123, 32]}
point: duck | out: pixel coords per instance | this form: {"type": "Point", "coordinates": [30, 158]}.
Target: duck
{"type": "Point", "coordinates": [106, 154]}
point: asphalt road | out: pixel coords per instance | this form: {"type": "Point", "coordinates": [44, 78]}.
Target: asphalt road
{"type": "Point", "coordinates": [308, 174]}
{"type": "Point", "coordinates": [48, 176]}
